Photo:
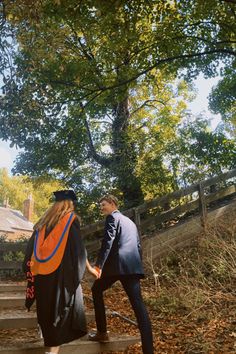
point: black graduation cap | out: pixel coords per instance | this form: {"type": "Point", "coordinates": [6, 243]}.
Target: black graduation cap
{"type": "Point", "coordinates": [65, 195]}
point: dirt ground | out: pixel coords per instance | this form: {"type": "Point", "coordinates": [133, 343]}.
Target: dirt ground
{"type": "Point", "coordinates": [176, 333]}
{"type": "Point", "coordinates": [173, 333]}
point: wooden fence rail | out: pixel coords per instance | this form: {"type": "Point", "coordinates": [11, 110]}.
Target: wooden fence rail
{"type": "Point", "coordinates": [196, 198]}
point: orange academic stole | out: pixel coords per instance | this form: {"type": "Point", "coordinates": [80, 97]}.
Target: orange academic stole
{"type": "Point", "coordinates": [48, 253]}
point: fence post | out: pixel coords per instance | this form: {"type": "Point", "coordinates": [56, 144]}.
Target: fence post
{"type": "Point", "coordinates": [202, 205]}
{"type": "Point", "coordinates": [137, 220]}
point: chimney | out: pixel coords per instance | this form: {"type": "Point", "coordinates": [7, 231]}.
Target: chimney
{"type": "Point", "coordinates": [28, 207]}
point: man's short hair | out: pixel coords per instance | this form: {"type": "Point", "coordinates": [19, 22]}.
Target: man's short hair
{"type": "Point", "coordinates": [110, 199]}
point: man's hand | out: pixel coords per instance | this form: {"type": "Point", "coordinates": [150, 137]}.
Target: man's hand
{"type": "Point", "coordinates": [98, 271]}
{"type": "Point", "coordinates": [95, 271]}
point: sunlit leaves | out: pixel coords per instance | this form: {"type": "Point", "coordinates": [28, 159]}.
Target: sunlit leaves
{"type": "Point", "coordinates": [89, 82]}
{"type": "Point", "coordinates": [15, 189]}
{"type": "Point", "coordinates": [223, 97]}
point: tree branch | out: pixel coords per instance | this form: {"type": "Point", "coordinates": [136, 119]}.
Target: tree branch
{"type": "Point", "coordinates": [229, 1]}
{"type": "Point", "coordinates": [145, 103]}
{"type": "Point", "coordinates": [88, 54]}
{"type": "Point", "coordinates": [102, 121]}
{"type": "Point", "coordinates": [141, 126]}
{"type": "Point", "coordinates": [169, 60]}
{"type": "Point", "coordinates": [102, 160]}
{"type": "Point", "coordinates": [204, 40]}
{"type": "Point", "coordinates": [160, 62]}
{"type": "Point", "coordinates": [64, 83]}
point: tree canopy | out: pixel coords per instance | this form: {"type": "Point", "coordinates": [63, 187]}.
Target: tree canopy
{"type": "Point", "coordinates": [223, 97]}
{"type": "Point", "coordinates": [71, 72]}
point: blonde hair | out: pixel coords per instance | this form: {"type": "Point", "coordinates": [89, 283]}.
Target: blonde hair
{"type": "Point", "coordinates": [52, 216]}
{"type": "Point", "coordinates": [110, 198]}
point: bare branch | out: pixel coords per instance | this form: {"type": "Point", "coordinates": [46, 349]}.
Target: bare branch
{"type": "Point", "coordinates": [64, 83]}
{"type": "Point", "coordinates": [141, 126]}
{"type": "Point", "coordinates": [104, 161]}
{"type": "Point", "coordinates": [146, 103]}
{"type": "Point", "coordinates": [102, 121]}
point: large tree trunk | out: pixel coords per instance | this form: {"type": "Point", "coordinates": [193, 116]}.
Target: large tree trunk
{"type": "Point", "coordinates": [124, 160]}
{"type": "Point", "coordinates": [122, 163]}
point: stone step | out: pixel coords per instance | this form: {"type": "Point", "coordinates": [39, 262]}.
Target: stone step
{"type": "Point", "coordinates": [12, 287]}
{"type": "Point", "coordinates": [11, 300]}
{"type": "Point", "coordinates": [14, 300]}
{"type": "Point", "coordinates": [23, 319]}
{"type": "Point", "coordinates": [116, 343]}
{"type": "Point", "coordinates": [17, 318]}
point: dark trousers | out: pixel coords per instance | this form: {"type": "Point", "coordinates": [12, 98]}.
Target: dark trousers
{"type": "Point", "coordinates": [131, 285]}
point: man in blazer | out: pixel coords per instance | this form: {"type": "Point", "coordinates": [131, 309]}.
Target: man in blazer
{"type": "Point", "coordinates": [119, 258]}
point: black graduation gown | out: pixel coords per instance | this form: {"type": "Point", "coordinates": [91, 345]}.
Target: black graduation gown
{"type": "Point", "coordinates": [59, 298]}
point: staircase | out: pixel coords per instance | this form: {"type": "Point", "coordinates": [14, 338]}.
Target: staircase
{"type": "Point", "coordinates": [20, 327]}
{"type": "Point", "coordinates": [160, 221]}
{"type": "Point", "coordinates": [165, 224]}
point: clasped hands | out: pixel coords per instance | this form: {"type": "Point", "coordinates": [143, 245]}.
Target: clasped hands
{"type": "Point", "coordinates": [95, 271]}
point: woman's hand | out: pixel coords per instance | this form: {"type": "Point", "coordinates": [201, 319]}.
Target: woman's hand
{"type": "Point", "coordinates": [95, 271]}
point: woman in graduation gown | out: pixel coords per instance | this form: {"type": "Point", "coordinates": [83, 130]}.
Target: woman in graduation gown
{"type": "Point", "coordinates": [54, 264]}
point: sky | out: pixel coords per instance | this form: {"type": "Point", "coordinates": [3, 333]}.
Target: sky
{"type": "Point", "coordinates": [200, 104]}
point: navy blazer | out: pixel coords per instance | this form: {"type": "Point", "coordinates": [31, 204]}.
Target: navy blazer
{"type": "Point", "coordinates": [120, 252]}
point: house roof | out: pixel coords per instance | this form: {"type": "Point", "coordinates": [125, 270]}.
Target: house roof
{"type": "Point", "coordinates": [13, 220]}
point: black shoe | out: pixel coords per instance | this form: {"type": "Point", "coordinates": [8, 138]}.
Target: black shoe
{"type": "Point", "coordinates": [98, 337]}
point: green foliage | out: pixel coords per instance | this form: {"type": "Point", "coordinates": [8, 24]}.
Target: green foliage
{"type": "Point", "coordinates": [16, 189]}
{"type": "Point", "coordinates": [14, 256]}
{"type": "Point", "coordinates": [70, 71]}
{"type": "Point", "coordinates": [174, 154]}
{"type": "Point", "coordinates": [223, 97]}
{"type": "Point", "coordinates": [154, 129]}
{"type": "Point", "coordinates": [199, 153]}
